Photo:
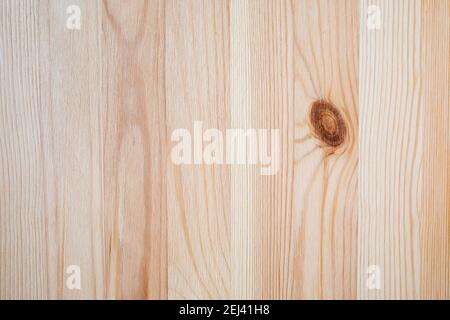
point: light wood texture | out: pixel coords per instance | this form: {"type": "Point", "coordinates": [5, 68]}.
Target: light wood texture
{"type": "Point", "coordinates": [325, 180]}
{"type": "Point", "coordinates": [262, 97]}
{"type": "Point", "coordinates": [50, 212]}
{"type": "Point", "coordinates": [198, 196]}
{"type": "Point", "coordinates": [134, 148]}
{"type": "Point", "coordinates": [86, 176]}
{"type": "Point", "coordinates": [435, 208]}
{"type": "Point", "coordinates": [404, 157]}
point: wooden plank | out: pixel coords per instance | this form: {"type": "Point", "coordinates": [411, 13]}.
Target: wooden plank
{"type": "Point", "coordinates": [325, 152]}
{"type": "Point", "coordinates": [262, 98]}
{"type": "Point", "coordinates": [51, 217]}
{"type": "Point", "coordinates": [241, 207]}
{"type": "Point", "coordinates": [22, 204]}
{"type": "Point", "coordinates": [404, 215]}
{"type": "Point", "coordinates": [198, 195]}
{"type": "Point", "coordinates": [70, 127]}
{"type": "Point", "coordinates": [435, 210]}
{"type": "Point", "coordinates": [134, 155]}
{"type": "Point", "coordinates": [390, 154]}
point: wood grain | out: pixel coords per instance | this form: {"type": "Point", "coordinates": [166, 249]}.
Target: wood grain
{"type": "Point", "coordinates": [23, 210]}
{"type": "Point", "coordinates": [435, 209]}
{"type": "Point", "coordinates": [325, 178]}
{"type": "Point", "coordinates": [404, 103]}
{"type": "Point", "coordinates": [51, 151]}
{"type": "Point", "coordinates": [86, 176]}
{"type": "Point", "coordinates": [134, 148]}
{"type": "Point", "coordinates": [197, 88]}
{"type": "Point", "coordinates": [261, 97]}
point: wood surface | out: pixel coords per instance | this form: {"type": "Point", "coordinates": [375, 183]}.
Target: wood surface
{"type": "Point", "coordinates": [86, 176]}
{"type": "Point", "coordinates": [404, 221]}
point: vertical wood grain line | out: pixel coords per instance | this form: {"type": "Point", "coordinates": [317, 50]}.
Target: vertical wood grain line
{"type": "Point", "coordinates": [242, 207]}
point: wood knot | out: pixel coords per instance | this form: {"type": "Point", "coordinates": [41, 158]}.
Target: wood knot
{"type": "Point", "coordinates": [327, 123]}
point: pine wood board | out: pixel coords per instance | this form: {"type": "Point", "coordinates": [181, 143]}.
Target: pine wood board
{"type": "Point", "coordinates": [86, 178]}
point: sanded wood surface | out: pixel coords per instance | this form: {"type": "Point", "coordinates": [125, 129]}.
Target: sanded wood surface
{"type": "Point", "coordinates": [87, 178]}
{"type": "Point", "coordinates": [404, 221]}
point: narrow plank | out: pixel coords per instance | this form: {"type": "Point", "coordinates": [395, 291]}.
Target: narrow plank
{"type": "Point", "coordinates": [404, 158]}
{"type": "Point", "coordinates": [435, 211]}
{"type": "Point", "coordinates": [391, 151]}
{"type": "Point", "coordinates": [325, 172]}
{"type": "Point", "coordinates": [134, 155]}
{"type": "Point", "coordinates": [23, 259]}
{"type": "Point", "coordinates": [262, 98]}
{"type": "Point", "coordinates": [53, 185]}
{"type": "Point", "coordinates": [70, 128]}
{"type": "Point", "coordinates": [243, 278]}
{"type": "Point", "coordinates": [198, 196]}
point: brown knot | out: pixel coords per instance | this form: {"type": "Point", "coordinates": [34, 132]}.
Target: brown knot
{"type": "Point", "coordinates": [327, 123]}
